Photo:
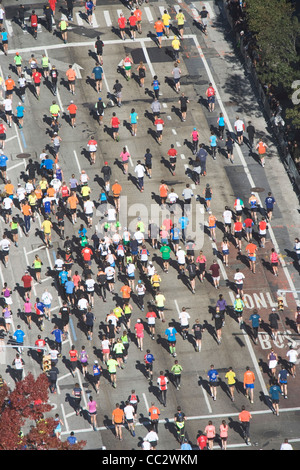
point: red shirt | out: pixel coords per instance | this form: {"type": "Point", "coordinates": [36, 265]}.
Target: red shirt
{"type": "Point", "coordinates": [86, 253]}
{"type": "Point", "coordinates": [37, 77]}
{"type": "Point", "coordinates": [202, 441]}
{"type": "Point", "coordinates": [238, 226]}
{"type": "Point", "coordinates": [122, 22]}
{"type": "Point", "coordinates": [27, 279]}
{"type": "Point", "coordinates": [132, 20]}
{"type": "Point", "coordinates": [115, 121]}
{"type": "Point", "coordinates": [34, 20]}
{"type": "Point", "coordinates": [172, 152]}
{"type": "Point", "coordinates": [65, 191]}
{"type": "Point", "coordinates": [210, 91]}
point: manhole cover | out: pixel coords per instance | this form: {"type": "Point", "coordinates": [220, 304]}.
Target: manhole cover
{"type": "Point", "coordinates": [257, 190]}
{"type": "Point", "coordinates": [23, 155]}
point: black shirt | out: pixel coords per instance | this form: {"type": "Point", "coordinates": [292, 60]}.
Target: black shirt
{"type": "Point", "coordinates": [99, 46]}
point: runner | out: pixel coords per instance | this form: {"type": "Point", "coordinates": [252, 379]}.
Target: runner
{"type": "Point", "coordinates": [261, 148]}
{"type": "Point", "coordinates": [239, 128]}
{"type": "Point", "coordinates": [92, 148]}
{"type": "Point", "coordinates": [72, 109]}
{"type": "Point", "coordinates": [97, 73]}
{"type": "Point", "coordinates": [244, 419]}
{"type": "Point", "coordinates": [249, 379]}
{"type": "Point", "coordinates": [204, 15]}
{"type": "Point", "coordinates": [122, 25]}
{"type": "Point", "coordinates": [210, 94]}
{"type": "Point", "coordinates": [159, 28]}
{"type": "Point", "coordinates": [71, 76]}
{"type": "Point", "coordinates": [63, 26]}
{"type": "Point", "coordinates": [231, 381]}
{"type": "Point", "coordinates": [166, 21]}
{"type": "Point", "coordinates": [115, 123]}
{"type": "Point", "coordinates": [180, 22]}
{"type": "Point", "coordinates": [127, 65]}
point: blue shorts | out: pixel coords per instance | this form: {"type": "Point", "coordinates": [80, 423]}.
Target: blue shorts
{"type": "Point", "coordinates": [252, 258]}
{"type": "Point", "coordinates": [159, 34]}
{"type": "Point", "coordinates": [249, 385]}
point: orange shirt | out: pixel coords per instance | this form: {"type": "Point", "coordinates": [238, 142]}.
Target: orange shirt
{"type": "Point", "coordinates": [154, 412]}
{"type": "Point", "coordinates": [244, 416]}
{"type": "Point", "coordinates": [238, 226]}
{"type": "Point", "coordinates": [51, 192]}
{"type": "Point", "coordinates": [159, 26]}
{"type": "Point", "coordinates": [249, 377]}
{"type": "Point", "coordinates": [39, 193]}
{"type": "Point", "coordinates": [73, 201]}
{"type": "Point", "coordinates": [9, 188]}
{"type": "Point", "coordinates": [163, 190]}
{"type": "Point", "coordinates": [126, 292]}
{"type": "Point", "coordinates": [10, 84]}
{"type": "Point", "coordinates": [138, 14]}
{"type": "Point", "coordinates": [71, 74]}
{"type": "Point", "coordinates": [118, 415]}
{"type": "Point", "coordinates": [251, 248]}
{"type": "Point", "coordinates": [72, 108]}
{"type": "Point", "coordinates": [26, 209]}
{"type": "Point", "coordinates": [116, 189]}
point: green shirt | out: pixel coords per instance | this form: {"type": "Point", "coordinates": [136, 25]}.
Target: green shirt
{"type": "Point", "coordinates": [165, 251]}
{"type": "Point", "coordinates": [119, 348]}
{"type": "Point", "coordinates": [18, 60]}
{"type": "Point", "coordinates": [112, 365]}
{"type": "Point", "coordinates": [176, 369]}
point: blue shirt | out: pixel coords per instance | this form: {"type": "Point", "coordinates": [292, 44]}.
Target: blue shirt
{"type": "Point", "coordinates": [72, 440]}
{"type": "Point", "coordinates": [275, 392]}
{"type": "Point", "coordinates": [213, 140]}
{"type": "Point", "coordinates": [149, 358]}
{"type": "Point", "coordinates": [155, 85]}
{"type": "Point", "coordinates": [269, 202]}
{"type": "Point", "coordinates": [3, 160]}
{"type": "Point", "coordinates": [175, 232]}
{"type": "Point", "coordinates": [98, 71]}
{"type": "Point", "coordinates": [63, 276]}
{"type": "Point", "coordinates": [133, 118]}
{"type": "Point", "coordinates": [20, 111]}
{"type": "Point", "coordinates": [57, 335]}
{"type": "Point", "coordinates": [183, 222]}
{"type": "Point", "coordinates": [186, 446]}
{"type": "Point", "coordinates": [47, 163]}
{"type": "Point", "coordinates": [47, 207]}
{"type": "Point", "coordinates": [221, 121]}
{"type": "Point", "coordinates": [171, 334]}
{"type": "Point", "coordinates": [4, 35]}
{"type": "Point", "coordinates": [254, 318]}
{"type": "Point", "coordinates": [19, 336]}
{"type": "Point", "coordinates": [40, 306]}
{"type": "Point", "coordinates": [96, 370]}
{"type": "Point", "coordinates": [69, 287]}
{"type": "Point", "coordinates": [213, 375]}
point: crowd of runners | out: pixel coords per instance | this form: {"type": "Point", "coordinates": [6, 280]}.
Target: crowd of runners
{"type": "Point", "coordinates": [106, 260]}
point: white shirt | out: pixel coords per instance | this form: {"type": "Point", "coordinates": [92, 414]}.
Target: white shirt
{"type": "Point", "coordinates": [110, 272]}
{"type": "Point", "coordinates": [140, 171]}
{"type": "Point", "coordinates": [47, 298]}
{"type": "Point", "coordinates": [227, 216]}
{"type": "Point", "coordinates": [5, 244]}
{"type": "Point", "coordinates": [82, 304]}
{"type": "Point", "coordinates": [286, 446]}
{"type": "Point", "coordinates": [239, 278]}
{"type": "Point", "coordinates": [184, 318]}
{"type": "Point", "coordinates": [90, 285]}
{"type": "Point", "coordinates": [239, 125]}
{"type": "Point", "coordinates": [21, 193]}
{"type": "Point", "coordinates": [8, 203]}
{"type": "Point", "coordinates": [129, 412]}
{"type": "Point", "coordinates": [8, 104]}
{"type": "Point", "coordinates": [172, 197]}
{"type": "Point", "coordinates": [139, 236]}
{"type": "Point", "coordinates": [181, 256]}
{"type": "Point", "coordinates": [151, 436]}
{"type": "Point", "coordinates": [111, 214]}
{"type": "Point", "coordinates": [59, 264]}
{"type": "Point", "coordinates": [88, 207]}
{"type": "Point", "coordinates": [292, 355]}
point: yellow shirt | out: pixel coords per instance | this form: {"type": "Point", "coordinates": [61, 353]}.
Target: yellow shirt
{"type": "Point", "coordinates": [230, 376]}
{"type": "Point", "coordinates": [166, 19]}
{"type": "Point", "coordinates": [180, 18]}
{"type": "Point", "coordinates": [47, 226]}
{"type": "Point", "coordinates": [85, 191]}
{"type": "Point", "coordinates": [176, 44]}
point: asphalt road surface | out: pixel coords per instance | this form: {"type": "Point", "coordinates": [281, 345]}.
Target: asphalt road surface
{"type": "Point", "coordinates": [203, 59]}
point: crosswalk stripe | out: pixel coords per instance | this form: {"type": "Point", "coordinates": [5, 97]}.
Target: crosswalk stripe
{"type": "Point", "coordinates": [149, 14]}
{"type": "Point", "coordinates": [107, 18]}
{"type": "Point", "coordinates": [95, 24]}
{"type": "Point", "coordinates": [79, 19]}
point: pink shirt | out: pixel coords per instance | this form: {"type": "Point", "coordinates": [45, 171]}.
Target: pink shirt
{"type": "Point", "coordinates": [139, 328]}
{"type": "Point", "coordinates": [28, 307]}
{"type": "Point", "coordinates": [125, 156]}
{"type": "Point", "coordinates": [92, 406]}
{"type": "Point", "coordinates": [210, 431]}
